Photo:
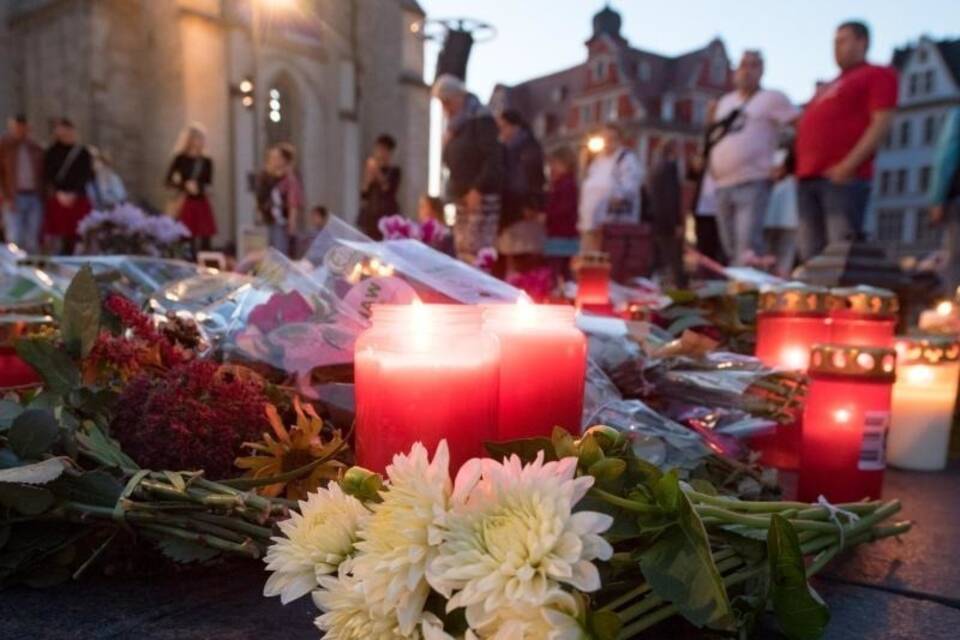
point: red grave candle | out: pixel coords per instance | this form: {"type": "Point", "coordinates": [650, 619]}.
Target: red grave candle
{"type": "Point", "coordinates": [593, 281]}
{"type": "Point", "coordinates": [863, 316]}
{"type": "Point", "coordinates": [791, 319]}
{"type": "Point", "coordinates": [18, 321]}
{"type": "Point", "coordinates": [845, 423]}
{"type": "Point", "coordinates": [425, 373]}
{"type": "Point", "coordinates": [543, 360]}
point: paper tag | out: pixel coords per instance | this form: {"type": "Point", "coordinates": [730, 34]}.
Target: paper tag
{"type": "Point", "coordinates": [874, 444]}
{"type": "Point", "coordinates": [378, 290]}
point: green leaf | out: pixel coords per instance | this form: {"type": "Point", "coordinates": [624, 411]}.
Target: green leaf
{"type": "Point", "coordinates": [58, 371]}
{"type": "Point", "coordinates": [564, 444]}
{"type": "Point", "coordinates": [33, 433]}
{"type": "Point", "coordinates": [680, 325]}
{"type": "Point", "coordinates": [184, 551]}
{"type": "Point", "coordinates": [8, 411]}
{"type": "Point", "coordinates": [604, 625]}
{"type": "Point", "coordinates": [801, 613]}
{"type": "Point", "coordinates": [36, 473]}
{"type": "Point", "coordinates": [527, 449]}
{"type": "Point", "coordinates": [97, 488]}
{"type": "Point", "coordinates": [80, 323]}
{"type": "Point", "coordinates": [27, 499]}
{"type": "Point", "coordinates": [94, 443]}
{"type": "Point", "coordinates": [679, 566]}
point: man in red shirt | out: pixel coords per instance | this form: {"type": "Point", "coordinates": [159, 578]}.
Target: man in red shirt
{"type": "Point", "coordinates": [837, 136]}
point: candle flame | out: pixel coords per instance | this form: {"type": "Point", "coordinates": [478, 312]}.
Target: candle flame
{"type": "Point", "coordinates": [524, 311]}
{"type": "Point", "coordinates": [919, 375]}
{"type": "Point", "coordinates": [794, 358]}
{"type": "Point", "coordinates": [842, 415]}
{"type": "Point", "coordinates": [945, 308]}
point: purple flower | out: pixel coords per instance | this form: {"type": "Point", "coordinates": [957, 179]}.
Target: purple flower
{"type": "Point", "coordinates": [397, 227]}
{"type": "Point", "coordinates": [486, 259]}
{"type": "Point", "coordinates": [433, 232]}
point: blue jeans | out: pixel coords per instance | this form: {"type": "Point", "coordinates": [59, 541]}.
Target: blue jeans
{"type": "Point", "coordinates": [830, 212]}
{"type": "Point", "coordinates": [279, 238]}
{"type": "Point", "coordinates": [23, 221]}
{"type": "Point", "coordinates": [740, 213]}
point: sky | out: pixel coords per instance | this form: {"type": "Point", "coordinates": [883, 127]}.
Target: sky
{"type": "Point", "coordinates": [535, 37]}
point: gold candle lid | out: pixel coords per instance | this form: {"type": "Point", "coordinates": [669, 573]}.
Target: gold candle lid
{"type": "Point", "coordinates": [592, 259]}
{"type": "Point", "coordinates": [20, 319]}
{"type": "Point", "coordinates": [864, 301]}
{"type": "Point", "coordinates": [793, 298]}
{"type": "Point", "coordinates": [876, 363]}
{"type": "Point", "coordinates": [927, 349]}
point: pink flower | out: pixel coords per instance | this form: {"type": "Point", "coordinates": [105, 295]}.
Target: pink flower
{"type": "Point", "coordinates": [397, 227]}
{"type": "Point", "coordinates": [486, 259]}
{"type": "Point", "coordinates": [279, 310]}
{"type": "Point", "coordinates": [537, 283]}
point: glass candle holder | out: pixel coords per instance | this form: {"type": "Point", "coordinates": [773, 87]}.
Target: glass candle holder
{"type": "Point", "coordinates": [845, 422]}
{"type": "Point", "coordinates": [425, 373]}
{"type": "Point", "coordinates": [791, 319]}
{"type": "Point", "coordinates": [924, 395]}
{"type": "Point", "coordinates": [543, 361]}
{"type": "Point", "coordinates": [593, 279]}
{"type": "Point", "coordinates": [863, 316]}
{"type": "Point", "coordinates": [16, 322]}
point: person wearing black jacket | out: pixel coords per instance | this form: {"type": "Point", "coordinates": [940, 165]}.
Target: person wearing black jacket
{"type": "Point", "coordinates": [665, 193]}
{"type": "Point", "coordinates": [522, 233]}
{"type": "Point", "coordinates": [474, 160]}
{"type": "Point", "coordinates": [67, 168]}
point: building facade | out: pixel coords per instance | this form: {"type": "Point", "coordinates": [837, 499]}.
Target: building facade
{"type": "Point", "coordinates": [929, 89]}
{"type": "Point", "coordinates": [327, 75]}
{"type": "Point", "coordinates": [651, 96]}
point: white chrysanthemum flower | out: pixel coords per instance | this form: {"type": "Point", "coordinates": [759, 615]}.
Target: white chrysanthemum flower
{"type": "Point", "coordinates": [314, 542]}
{"type": "Point", "coordinates": [557, 619]}
{"type": "Point", "coordinates": [512, 538]}
{"type": "Point", "coordinates": [401, 537]}
{"type": "Point", "coordinates": [347, 616]}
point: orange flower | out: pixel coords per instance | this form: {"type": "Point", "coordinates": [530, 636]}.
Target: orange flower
{"type": "Point", "coordinates": [291, 449]}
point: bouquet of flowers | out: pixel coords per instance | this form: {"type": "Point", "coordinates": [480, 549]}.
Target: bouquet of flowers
{"type": "Point", "coordinates": [554, 539]}
{"type": "Point", "coordinates": [132, 436]}
{"type": "Point", "coordinates": [127, 230]}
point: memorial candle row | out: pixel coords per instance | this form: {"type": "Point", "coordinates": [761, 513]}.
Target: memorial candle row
{"type": "Point", "coordinates": [467, 374]}
{"type": "Point", "coordinates": [844, 340]}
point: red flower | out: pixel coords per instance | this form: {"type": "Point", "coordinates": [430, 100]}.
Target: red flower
{"type": "Point", "coordinates": [131, 317]}
{"type": "Point", "coordinates": [193, 416]}
{"type": "Point", "coordinates": [279, 310]}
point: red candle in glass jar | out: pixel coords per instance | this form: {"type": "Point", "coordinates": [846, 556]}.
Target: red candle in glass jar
{"type": "Point", "coordinates": [845, 423]}
{"type": "Point", "coordinates": [863, 316]}
{"type": "Point", "coordinates": [425, 373]}
{"type": "Point", "coordinates": [543, 361]}
{"type": "Point", "coordinates": [16, 322]}
{"type": "Point", "coordinates": [593, 281]}
{"type": "Point", "coordinates": [791, 319]}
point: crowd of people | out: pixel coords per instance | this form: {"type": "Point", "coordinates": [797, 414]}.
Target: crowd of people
{"type": "Point", "coordinates": [770, 185]}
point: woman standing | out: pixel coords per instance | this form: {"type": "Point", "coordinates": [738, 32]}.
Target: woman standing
{"type": "Point", "coordinates": [563, 241]}
{"type": "Point", "coordinates": [67, 169]}
{"type": "Point", "coordinates": [521, 227]}
{"type": "Point", "coordinates": [190, 174]}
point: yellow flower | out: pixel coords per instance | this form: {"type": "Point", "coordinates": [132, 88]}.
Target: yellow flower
{"type": "Point", "coordinates": [291, 449]}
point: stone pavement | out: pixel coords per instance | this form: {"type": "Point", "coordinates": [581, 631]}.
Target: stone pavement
{"type": "Point", "coordinates": [892, 590]}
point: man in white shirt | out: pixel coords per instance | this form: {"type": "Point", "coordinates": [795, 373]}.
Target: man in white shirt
{"type": "Point", "coordinates": [742, 162]}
